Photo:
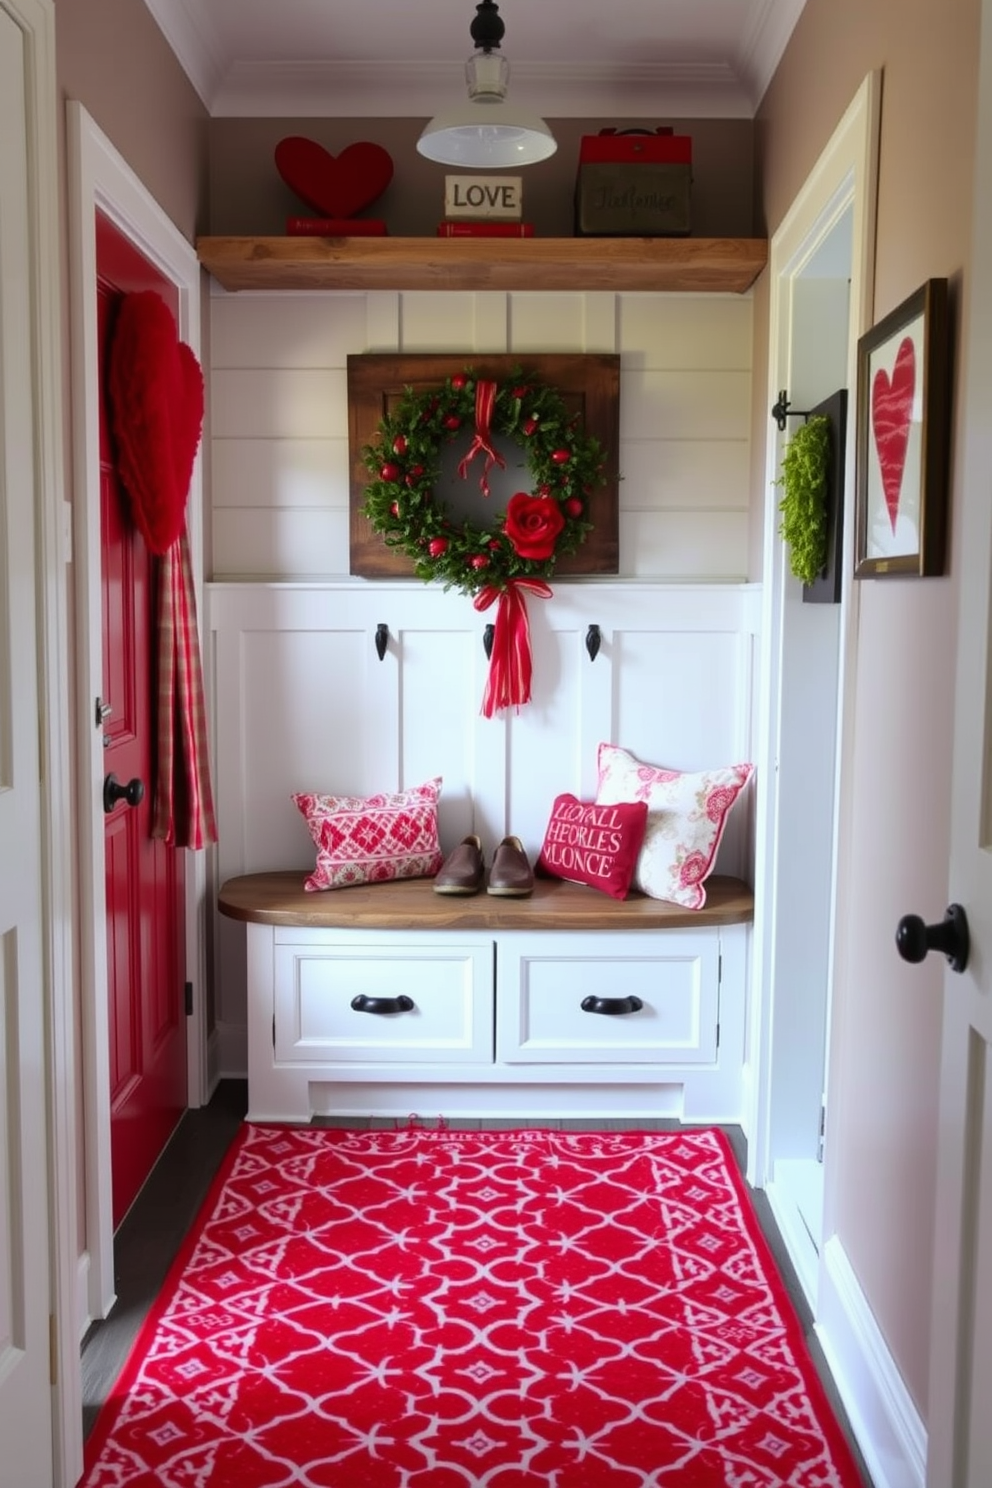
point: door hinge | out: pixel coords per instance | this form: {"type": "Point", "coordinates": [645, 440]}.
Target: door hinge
{"type": "Point", "coordinates": [273, 1032]}
{"type": "Point", "coordinates": [821, 1135]}
{"type": "Point", "coordinates": [53, 1351]}
{"type": "Point", "coordinates": [719, 968]}
{"type": "Point", "coordinates": [188, 999]}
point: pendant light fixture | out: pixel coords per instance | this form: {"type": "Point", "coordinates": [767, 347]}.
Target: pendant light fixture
{"type": "Point", "coordinates": [486, 132]}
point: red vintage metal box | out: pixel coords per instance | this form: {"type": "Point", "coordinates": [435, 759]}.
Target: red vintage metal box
{"type": "Point", "coordinates": [635, 183]}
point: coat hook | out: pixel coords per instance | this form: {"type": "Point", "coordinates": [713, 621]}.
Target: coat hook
{"type": "Point", "coordinates": [381, 640]}
{"type": "Point", "coordinates": [594, 640]}
{"type": "Point", "coordinates": [488, 636]}
{"type": "Point", "coordinates": [782, 410]}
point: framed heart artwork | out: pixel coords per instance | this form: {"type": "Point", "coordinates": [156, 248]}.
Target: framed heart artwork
{"type": "Point", "coordinates": [903, 438]}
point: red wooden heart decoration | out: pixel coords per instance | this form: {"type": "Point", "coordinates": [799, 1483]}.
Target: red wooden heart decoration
{"type": "Point", "coordinates": [156, 396]}
{"type": "Point", "coordinates": [891, 413]}
{"type": "Point", "coordinates": [334, 186]}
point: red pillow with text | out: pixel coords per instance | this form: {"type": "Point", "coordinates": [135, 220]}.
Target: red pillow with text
{"type": "Point", "coordinates": [687, 814]}
{"type": "Point", "coordinates": [594, 845]}
{"type": "Point", "coordinates": [370, 839]}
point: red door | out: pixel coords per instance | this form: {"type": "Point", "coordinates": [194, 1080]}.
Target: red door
{"type": "Point", "coordinates": [145, 921]}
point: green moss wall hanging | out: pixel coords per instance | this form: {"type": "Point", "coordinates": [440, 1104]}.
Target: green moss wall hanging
{"type": "Point", "coordinates": [812, 507]}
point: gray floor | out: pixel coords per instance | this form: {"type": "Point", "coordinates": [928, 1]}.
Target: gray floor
{"type": "Point", "coordinates": [153, 1230]}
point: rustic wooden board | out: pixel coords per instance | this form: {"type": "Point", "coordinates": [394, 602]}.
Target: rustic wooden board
{"type": "Point", "coordinates": [411, 904]}
{"type": "Point", "coordinates": [589, 385]}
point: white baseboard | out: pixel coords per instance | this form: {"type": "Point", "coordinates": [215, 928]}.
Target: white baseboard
{"type": "Point", "coordinates": [886, 1423]}
{"type": "Point", "coordinates": [83, 1318]}
{"type": "Point", "coordinates": [796, 1237]}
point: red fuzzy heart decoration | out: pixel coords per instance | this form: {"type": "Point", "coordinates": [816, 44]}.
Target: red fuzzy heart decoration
{"type": "Point", "coordinates": [156, 397]}
{"type": "Point", "coordinates": [334, 186]}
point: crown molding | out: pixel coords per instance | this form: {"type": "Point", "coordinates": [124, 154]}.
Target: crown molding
{"type": "Point", "coordinates": [766, 36]}
{"type": "Point", "coordinates": [401, 90]}
{"type": "Point", "coordinates": [194, 40]}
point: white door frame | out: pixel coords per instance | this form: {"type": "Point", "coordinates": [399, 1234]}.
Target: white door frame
{"type": "Point", "coordinates": [99, 178]}
{"type": "Point", "coordinates": [36, 19]}
{"type": "Point", "coordinates": [843, 180]}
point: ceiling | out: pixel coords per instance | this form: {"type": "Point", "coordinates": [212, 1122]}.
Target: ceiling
{"type": "Point", "coordinates": [405, 58]}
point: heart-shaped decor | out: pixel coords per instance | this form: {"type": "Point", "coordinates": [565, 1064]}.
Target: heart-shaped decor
{"type": "Point", "coordinates": [156, 396]}
{"type": "Point", "coordinates": [891, 414]}
{"type": "Point", "coordinates": [334, 185]}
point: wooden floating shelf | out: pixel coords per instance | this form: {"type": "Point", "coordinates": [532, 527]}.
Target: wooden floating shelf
{"type": "Point", "coordinates": [713, 265]}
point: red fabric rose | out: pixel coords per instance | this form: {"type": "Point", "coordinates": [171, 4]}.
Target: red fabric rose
{"type": "Point", "coordinates": [533, 524]}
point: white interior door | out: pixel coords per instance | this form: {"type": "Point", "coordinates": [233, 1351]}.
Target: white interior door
{"type": "Point", "coordinates": [25, 1419]}
{"type": "Point", "coordinates": [960, 1423]}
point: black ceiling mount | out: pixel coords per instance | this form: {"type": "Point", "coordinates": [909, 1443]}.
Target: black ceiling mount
{"type": "Point", "coordinates": [487, 30]}
{"type": "Point", "coordinates": [782, 410]}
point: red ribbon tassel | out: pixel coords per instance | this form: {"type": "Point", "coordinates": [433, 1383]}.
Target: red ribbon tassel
{"type": "Point", "coordinates": [510, 666]}
{"type": "Point", "coordinates": [485, 400]}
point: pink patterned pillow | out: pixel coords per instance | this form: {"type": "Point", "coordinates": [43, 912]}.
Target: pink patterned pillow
{"type": "Point", "coordinates": [686, 818]}
{"type": "Point", "coordinates": [368, 839]}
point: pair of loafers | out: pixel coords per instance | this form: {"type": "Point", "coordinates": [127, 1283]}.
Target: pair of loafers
{"type": "Point", "coordinates": [464, 870]}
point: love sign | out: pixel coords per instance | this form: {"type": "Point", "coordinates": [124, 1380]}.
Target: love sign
{"type": "Point", "coordinates": [480, 197]}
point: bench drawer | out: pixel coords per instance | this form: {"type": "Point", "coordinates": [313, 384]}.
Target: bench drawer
{"type": "Point", "coordinates": [543, 982]}
{"type": "Point", "coordinates": [420, 1001]}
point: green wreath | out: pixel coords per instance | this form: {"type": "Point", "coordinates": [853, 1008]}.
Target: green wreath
{"type": "Point", "coordinates": [538, 526]}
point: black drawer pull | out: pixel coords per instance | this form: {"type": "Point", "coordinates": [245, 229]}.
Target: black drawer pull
{"type": "Point", "coordinates": [612, 1005]}
{"type": "Point", "coordinates": [380, 1005]}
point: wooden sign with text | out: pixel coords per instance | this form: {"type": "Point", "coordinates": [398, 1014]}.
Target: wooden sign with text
{"type": "Point", "coordinates": [484, 196]}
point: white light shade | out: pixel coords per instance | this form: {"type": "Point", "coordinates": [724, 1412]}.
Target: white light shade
{"type": "Point", "coordinates": [492, 136]}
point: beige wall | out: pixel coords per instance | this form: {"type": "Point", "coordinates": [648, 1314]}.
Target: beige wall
{"type": "Point", "coordinates": [112, 57]}
{"type": "Point", "coordinates": [882, 1124]}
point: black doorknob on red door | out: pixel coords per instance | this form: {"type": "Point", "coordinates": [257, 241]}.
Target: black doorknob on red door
{"type": "Point", "coordinates": [914, 939]}
{"type": "Point", "coordinates": [113, 792]}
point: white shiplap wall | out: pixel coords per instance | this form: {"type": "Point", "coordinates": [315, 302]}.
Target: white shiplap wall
{"type": "Point", "coordinates": [279, 415]}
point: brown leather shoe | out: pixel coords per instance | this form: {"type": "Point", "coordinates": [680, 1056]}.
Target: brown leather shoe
{"type": "Point", "coordinates": [511, 874]}
{"type": "Point", "coordinates": [462, 870]}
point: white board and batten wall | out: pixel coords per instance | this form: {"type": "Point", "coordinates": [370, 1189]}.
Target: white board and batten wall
{"type": "Point", "coordinates": [301, 701]}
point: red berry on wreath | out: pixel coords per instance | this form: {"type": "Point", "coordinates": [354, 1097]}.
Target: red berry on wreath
{"type": "Point", "coordinates": [520, 392]}
{"type": "Point", "coordinates": [437, 547]}
{"type": "Point", "coordinates": [458, 381]}
{"type": "Point", "coordinates": [452, 421]}
{"type": "Point", "coordinates": [479, 561]}
{"type": "Point", "coordinates": [399, 445]}
{"type": "Point", "coordinates": [390, 472]}
{"type": "Point", "coordinates": [416, 471]}
{"type": "Point", "coordinates": [544, 490]}
{"type": "Point", "coordinates": [494, 545]}
{"type": "Point", "coordinates": [573, 506]}
{"type": "Point", "coordinates": [529, 425]}
{"type": "Point", "coordinates": [395, 509]}
{"type": "Point", "coordinates": [561, 456]}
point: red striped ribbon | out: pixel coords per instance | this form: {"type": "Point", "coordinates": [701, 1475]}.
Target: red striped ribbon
{"type": "Point", "coordinates": [485, 400]}
{"type": "Point", "coordinates": [510, 664]}
{"type": "Point", "coordinates": [184, 807]}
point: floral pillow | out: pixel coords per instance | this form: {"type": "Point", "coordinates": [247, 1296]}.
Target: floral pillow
{"type": "Point", "coordinates": [594, 845]}
{"type": "Point", "coordinates": [687, 815]}
{"type": "Point", "coordinates": [369, 839]}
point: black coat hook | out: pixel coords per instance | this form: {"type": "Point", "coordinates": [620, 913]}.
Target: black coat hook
{"type": "Point", "coordinates": [782, 411]}
{"type": "Point", "coordinates": [381, 640]}
{"type": "Point", "coordinates": [594, 640]}
{"type": "Point", "coordinates": [488, 636]}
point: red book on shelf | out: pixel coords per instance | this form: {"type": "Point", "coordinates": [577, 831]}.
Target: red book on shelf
{"type": "Point", "coordinates": [335, 227]}
{"type": "Point", "coordinates": [458, 228]}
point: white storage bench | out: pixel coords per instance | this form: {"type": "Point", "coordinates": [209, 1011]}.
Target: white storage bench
{"type": "Point", "coordinates": [391, 1000]}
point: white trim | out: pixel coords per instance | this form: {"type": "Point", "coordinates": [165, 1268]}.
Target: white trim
{"type": "Point", "coordinates": [843, 178]}
{"type": "Point", "coordinates": [100, 178]}
{"type": "Point", "coordinates": [888, 1427]}
{"type": "Point", "coordinates": [388, 89]}
{"type": "Point", "coordinates": [769, 27]}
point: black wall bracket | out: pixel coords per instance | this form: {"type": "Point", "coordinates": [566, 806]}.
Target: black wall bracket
{"type": "Point", "coordinates": [783, 410]}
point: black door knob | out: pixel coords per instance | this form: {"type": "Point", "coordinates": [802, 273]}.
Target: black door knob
{"type": "Point", "coordinates": [914, 939]}
{"type": "Point", "coordinates": [113, 792]}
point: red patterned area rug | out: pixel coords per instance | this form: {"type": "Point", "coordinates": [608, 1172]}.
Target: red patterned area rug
{"type": "Point", "coordinates": [442, 1309]}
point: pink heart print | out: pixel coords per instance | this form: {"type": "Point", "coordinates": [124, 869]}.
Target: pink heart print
{"type": "Point", "coordinates": [891, 415]}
